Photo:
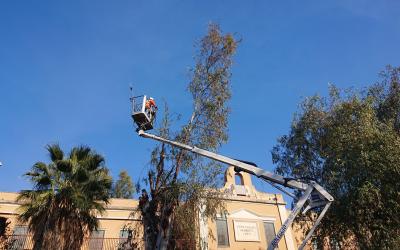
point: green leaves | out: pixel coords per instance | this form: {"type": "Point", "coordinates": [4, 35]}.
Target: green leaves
{"type": "Point", "coordinates": [81, 175]}
{"type": "Point", "coordinates": [64, 166]}
{"type": "Point", "coordinates": [179, 181]}
{"type": "Point", "coordinates": [210, 88]}
{"type": "Point", "coordinates": [80, 153]}
{"type": "Point", "coordinates": [43, 181]}
{"type": "Point", "coordinates": [123, 188]}
{"type": "Point", "coordinates": [348, 144]}
{"type": "Point", "coordinates": [94, 162]}
{"type": "Point", "coordinates": [66, 195]}
{"type": "Point", "coordinates": [55, 152]}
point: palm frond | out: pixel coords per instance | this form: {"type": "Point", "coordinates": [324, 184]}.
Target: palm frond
{"type": "Point", "coordinates": [43, 182]}
{"type": "Point", "coordinates": [81, 175]}
{"type": "Point", "coordinates": [55, 152]}
{"type": "Point", "coordinates": [65, 166]}
{"type": "Point", "coordinates": [94, 161]}
{"type": "Point", "coordinates": [41, 168]}
{"type": "Point", "coordinates": [67, 194]}
{"type": "Point", "coordinates": [79, 153]}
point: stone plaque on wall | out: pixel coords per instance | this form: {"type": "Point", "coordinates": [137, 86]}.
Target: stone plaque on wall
{"type": "Point", "coordinates": [246, 230]}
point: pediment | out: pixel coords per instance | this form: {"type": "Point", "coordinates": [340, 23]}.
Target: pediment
{"type": "Point", "coordinates": [248, 215]}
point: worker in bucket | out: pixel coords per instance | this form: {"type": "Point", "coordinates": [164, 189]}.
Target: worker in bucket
{"type": "Point", "coordinates": [151, 108]}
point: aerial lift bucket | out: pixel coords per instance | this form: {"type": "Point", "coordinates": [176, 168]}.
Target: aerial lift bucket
{"type": "Point", "coordinates": [140, 115]}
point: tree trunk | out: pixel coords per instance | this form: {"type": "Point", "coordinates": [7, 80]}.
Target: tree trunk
{"type": "Point", "coordinates": [164, 234]}
{"type": "Point", "coordinates": [162, 241]}
{"type": "Point", "coordinates": [148, 233]}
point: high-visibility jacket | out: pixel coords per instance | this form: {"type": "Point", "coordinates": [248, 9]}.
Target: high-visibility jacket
{"type": "Point", "coordinates": [150, 103]}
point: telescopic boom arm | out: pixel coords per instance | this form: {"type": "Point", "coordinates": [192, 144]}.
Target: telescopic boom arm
{"type": "Point", "coordinates": [232, 162]}
{"type": "Point", "coordinates": [314, 195]}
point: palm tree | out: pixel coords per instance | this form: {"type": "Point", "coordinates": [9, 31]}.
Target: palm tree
{"type": "Point", "coordinates": [67, 195]}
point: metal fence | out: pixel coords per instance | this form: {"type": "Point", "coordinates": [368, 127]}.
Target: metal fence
{"type": "Point", "coordinates": [19, 242]}
{"type": "Point", "coordinates": [25, 242]}
{"type": "Point", "coordinates": [111, 244]}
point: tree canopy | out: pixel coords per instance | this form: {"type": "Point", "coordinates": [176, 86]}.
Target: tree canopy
{"type": "Point", "coordinates": [180, 182]}
{"type": "Point", "coordinates": [350, 144]}
{"type": "Point", "coordinates": [67, 195]}
{"type": "Point", "coordinates": [123, 187]}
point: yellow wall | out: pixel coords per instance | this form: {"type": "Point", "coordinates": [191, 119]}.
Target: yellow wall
{"type": "Point", "coordinates": [119, 214]}
{"type": "Point", "coordinates": [254, 206]}
{"type": "Point", "coordinates": [243, 203]}
{"type": "Point", "coordinates": [9, 207]}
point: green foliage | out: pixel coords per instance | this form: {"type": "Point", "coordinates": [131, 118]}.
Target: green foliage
{"type": "Point", "coordinates": [123, 187]}
{"type": "Point", "coordinates": [210, 89]}
{"type": "Point", "coordinates": [179, 181]}
{"type": "Point", "coordinates": [350, 143]}
{"type": "Point", "coordinates": [67, 194]}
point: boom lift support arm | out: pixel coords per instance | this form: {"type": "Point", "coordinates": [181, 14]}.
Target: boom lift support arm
{"type": "Point", "coordinates": [314, 196]}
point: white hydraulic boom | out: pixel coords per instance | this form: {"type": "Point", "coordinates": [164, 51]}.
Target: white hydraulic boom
{"type": "Point", "coordinates": [313, 195]}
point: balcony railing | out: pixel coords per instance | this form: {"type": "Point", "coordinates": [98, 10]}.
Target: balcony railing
{"type": "Point", "coordinates": [111, 244]}
{"type": "Point", "coordinates": [25, 242]}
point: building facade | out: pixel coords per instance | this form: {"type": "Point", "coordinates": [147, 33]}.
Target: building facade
{"type": "Point", "coordinates": [251, 221]}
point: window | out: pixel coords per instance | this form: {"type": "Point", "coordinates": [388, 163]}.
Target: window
{"type": "Point", "coordinates": [19, 237]}
{"type": "Point", "coordinates": [222, 232]}
{"type": "Point", "coordinates": [239, 179]}
{"type": "Point", "coordinates": [124, 234]}
{"type": "Point", "coordinates": [96, 240]}
{"type": "Point", "coordinates": [239, 185]}
{"type": "Point", "coordinates": [269, 230]}
{"type": "Point", "coordinates": [3, 225]}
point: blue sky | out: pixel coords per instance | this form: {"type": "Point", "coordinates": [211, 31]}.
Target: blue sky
{"type": "Point", "coordinates": [65, 69]}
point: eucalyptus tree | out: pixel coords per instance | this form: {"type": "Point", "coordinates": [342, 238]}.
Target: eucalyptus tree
{"type": "Point", "coordinates": [123, 187]}
{"type": "Point", "coordinates": [67, 195]}
{"type": "Point", "coordinates": [350, 144]}
{"type": "Point", "coordinates": [180, 183]}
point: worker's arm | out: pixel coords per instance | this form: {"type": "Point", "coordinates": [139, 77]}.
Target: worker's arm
{"type": "Point", "coordinates": [154, 104]}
